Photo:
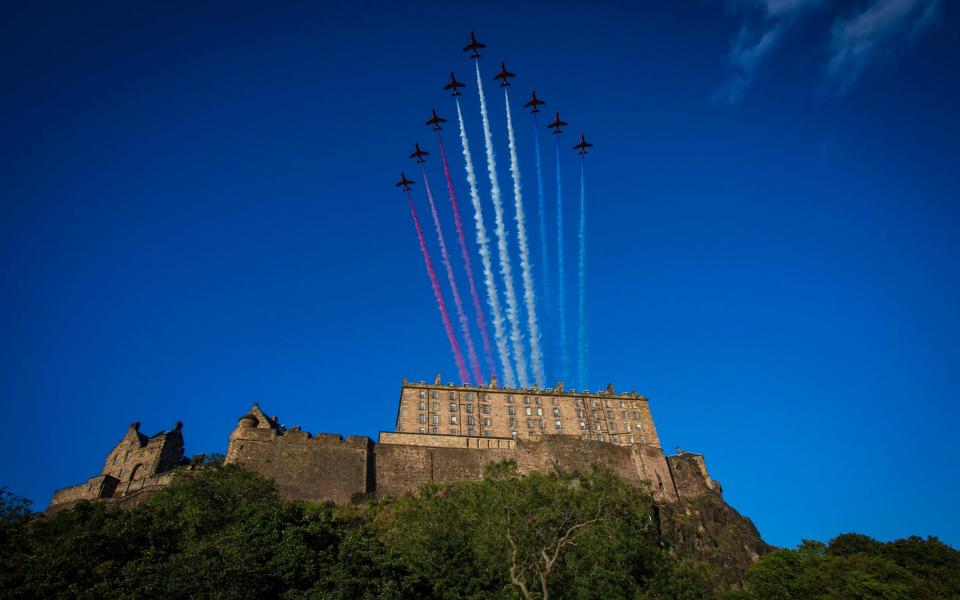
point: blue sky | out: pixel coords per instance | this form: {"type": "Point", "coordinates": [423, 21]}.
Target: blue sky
{"type": "Point", "coordinates": [199, 213]}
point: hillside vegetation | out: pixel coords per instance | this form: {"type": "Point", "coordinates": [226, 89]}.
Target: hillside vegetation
{"type": "Point", "coordinates": [225, 533]}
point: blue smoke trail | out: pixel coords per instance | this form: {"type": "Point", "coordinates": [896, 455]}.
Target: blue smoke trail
{"type": "Point", "coordinates": [561, 279]}
{"type": "Point", "coordinates": [582, 284]}
{"type": "Point", "coordinates": [526, 268]}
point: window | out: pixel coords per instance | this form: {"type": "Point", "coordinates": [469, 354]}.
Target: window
{"type": "Point", "coordinates": [633, 404]}
{"type": "Point", "coordinates": [469, 408]}
{"type": "Point", "coordinates": [529, 434]}
{"type": "Point", "coordinates": [556, 412]}
{"type": "Point", "coordinates": [126, 456]}
{"type": "Point", "coordinates": [434, 395]}
{"type": "Point", "coordinates": [622, 404]}
{"type": "Point", "coordinates": [537, 400]}
{"type": "Point", "coordinates": [453, 395]}
{"type": "Point", "coordinates": [422, 430]}
{"type": "Point", "coordinates": [626, 426]}
{"type": "Point", "coordinates": [630, 438]}
{"type": "Point", "coordinates": [541, 423]}
{"type": "Point", "coordinates": [529, 423]}
{"type": "Point", "coordinates": [434, 430]}
{"type": "Point", "coordinates": [580, 413]}
{"type": "Point", "coordinates": [557, 423]}
{"type": "Point", "coordinates": [486, 397]}
{"type": "Point", "coordinates": [553, 401]}
{"type": "Point", "coordinates": [613, 426]}
{"type": "Point", "coordinates": [583, 425]}
{"type": "Point", "coordinates": [422, 418]}
{"type": "Point", "coordinates": [513, 434]}
{"type": "Point", "coordinates": [586, 436]}
{"type": "Point", "coordinates": [513, 423]}
{"type": "Point", "coordinates": [486, 433]}
{"type": "Point", "coordinates": [511, 410]}
{"type": "Point", "coordinates": [639, 428]}
{"type": "Point", "coordinates": [608, 404]}
{"type": "Point", "coordinates": [423, 393]}
{"type": "Point", "coordinates": [471, 431]}
{"type": "Point", "coordinates": [469, 396]}
{"type": "Point", "coordinates": [610, 415]}
{"type": "Point", "coordinates": [485, 409]}
{"type": "Point", "coordinates": [595, 414]}
{"type": "Point", "coordinates": [615, 438]}
{"type": "Point", "coordinates": [434, 420]}
{"type": "Point", "coordinates": [509, 399]}
{"type": "Point", "coordinates": [453, 419]}
{"type": "Point", "coordinates": [486, 422]}
{"type": "Point", "coordinates": [453, 407]}
{"type": "Point", "coordinates": [421, 405]}
{"type": "Point", "coordinates": [623, 414]}
{"type": "Point", "coordinates": [539, 412]}
{"type": "Point", "coordinates": [120, 474]}
{"type": "Point", "coordinates": [598, 426]}
{"type": "Point", "coordinates": [471, 421]}
{"type": "Point", "coordinates": [593, 404]}
{"type": "Point", "coordinates": [434, 406]}
{"type": "Point", "coordinates": [527, 411]}
{"type": "Point", "coordinates": [599, 437]}
{"type": "Point", "coordinates": [453, 431]}
{"type": "Point", "coordinates": [636, 415]}
{"type": "Point", "coordinates": [526, 399]}
{"type": "Point", "coordinates": [116, 457]}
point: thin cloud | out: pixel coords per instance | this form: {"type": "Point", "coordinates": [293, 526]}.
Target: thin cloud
{"type": "Point", "coordinates": [763, 23]}
{"type": "Point", "coordinates": [879, 29]}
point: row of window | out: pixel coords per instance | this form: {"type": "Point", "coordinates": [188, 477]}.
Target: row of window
{"type": "Point", "coordinates": [469, 396]}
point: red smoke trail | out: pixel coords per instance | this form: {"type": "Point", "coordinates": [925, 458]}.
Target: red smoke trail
{"type": "Point", "coordinates": [475, 297]}
{"type": "Point", "coordinates": [444, 315]}
{"type": "Point", "coordinates": [457, 302]}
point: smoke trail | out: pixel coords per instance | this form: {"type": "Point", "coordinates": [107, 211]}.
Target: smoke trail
{"type": "Point", "coordinates": [444, 315]}
{"type": "Point", "coordinates": [561, 279]}
{"type": "Point", "coordinates": [505, 269]}
{"type": "Point", "coordinates": [483, 242]}
{"type": "Point", "coordinates": [544, 257]}
{"type": "Point", "coordinates": [581, 282]}
{"type": "Point", "coordinates": [457, 302]}
{"type": "Point", "coordinates": [526, 269]}
{"type": "Point", "coordinates": [467, 263]}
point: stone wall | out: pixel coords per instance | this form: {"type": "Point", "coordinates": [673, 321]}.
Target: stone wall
{"type": "Point", "coordinates": [305, 467]}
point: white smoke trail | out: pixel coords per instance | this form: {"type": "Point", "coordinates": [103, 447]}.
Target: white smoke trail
{"type": "Point", "coordinates": [582, 283]}
{"type": "Point", "coordinates": [561, 274]}
{"type": "Point", "coordinates": [483, 243]}
{"type": "Point", "coordinates": [526, 269]}
{"type": "Point", "coordinates": [516, 336]}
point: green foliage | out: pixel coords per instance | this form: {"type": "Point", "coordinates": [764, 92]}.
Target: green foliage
{"type": "Point", "coordinates": [575, 535]}
{"type": "Point", "coordinates": [855, 567]}
{"type": "Point", "coordinates": [223, 532]}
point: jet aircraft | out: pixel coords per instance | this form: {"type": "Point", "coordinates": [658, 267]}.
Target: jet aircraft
{"type": "Point", "coordinates": [504, 75]}
{"type": "Point", "coordinates": [473, 46]}
{"type": "Point", "coordinates": [557, 124]}
{"type": "Point", "coordinates": [453, 85]}
{"type": "Point", "coordinates": [435, 121]}
{"type": "Point", "coordinates": [404, 183]}
{"type": "Point", "coordinates": [534, 102]}
{"type": "Point", "coordinates": [419, 154]}
{"type": "Point", "coordinates": [582, 146]}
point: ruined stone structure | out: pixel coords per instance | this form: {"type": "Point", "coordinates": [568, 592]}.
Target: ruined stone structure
{"type": "Point", "coordinates": [444, 433]}
{"type": "Point", "coordinates": [137, 464]}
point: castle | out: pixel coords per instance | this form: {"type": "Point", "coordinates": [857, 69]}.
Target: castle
{"type": "Point", "coordinates": [444, 433]}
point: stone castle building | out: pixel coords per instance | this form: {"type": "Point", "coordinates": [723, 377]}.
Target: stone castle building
{"type": "Point", "coordinates": [444, 433]}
